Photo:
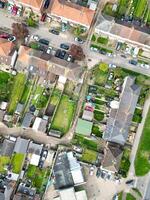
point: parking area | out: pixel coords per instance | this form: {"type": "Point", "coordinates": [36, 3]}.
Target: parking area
{"type": "Point", "coordinates": [97, 187]}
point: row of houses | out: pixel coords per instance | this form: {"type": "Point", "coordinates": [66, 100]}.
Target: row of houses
{"type": "Point", "coordinates": [60, 10]}
{"type": "Point", "coordinates": [31, 61]}
{"type": "Point", "coordinates": [118, 124]}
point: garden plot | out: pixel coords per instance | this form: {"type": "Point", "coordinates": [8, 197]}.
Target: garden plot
{"type": "Point", "coordinates": [17, 91]}
{"type": "Point", "coordinates": [64, 115]}
{"type": "Point", "coordinates": [41, 97]}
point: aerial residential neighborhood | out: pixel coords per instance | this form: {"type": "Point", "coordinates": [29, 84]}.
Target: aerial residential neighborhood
{"type": "Point", "coordinates": [74, 100]}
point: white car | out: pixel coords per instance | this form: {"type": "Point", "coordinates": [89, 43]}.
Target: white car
{"type": "Point", "coordinates": [94, 49]}
{"type": "Point", "coordinates": [19, 10]}
{"type": "Point", "coordinates": [80, 41]}
{"type": "Point", "coordinates": [35, 37]}
{"type": "Point", "coordinates": [91, 171]}
{"type": "Point", "coordinates": [69, 58]}
{"type": "Point", "coordinates": [10, 7]}
{"type": "Point", "coordinates": [49, 50]}
{"type": "Point", "coordinates": [112, 66]}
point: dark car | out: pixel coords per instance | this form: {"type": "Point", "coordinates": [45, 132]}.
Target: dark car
{"type": "Point", "coordinates": [43, 17]}
{"type": "Point", "coordinates": [60, 54]}
{"type": "Point", "coordinates": [64, 46]}
{"type": "Point", "coordinates": [2, 4]}
{"type": "Point", "coordinates": [46, 4]}
{"type": "Point", "coordinates": [133, 62]}
{"type": "Point", "coordinates": [4, 35]}
{"type": "Point", "coordinates": [55, 32]}
{"type": "Point", "coordinates": [43, 41]}
{"type": "Point", "coordinates": [130, 182]}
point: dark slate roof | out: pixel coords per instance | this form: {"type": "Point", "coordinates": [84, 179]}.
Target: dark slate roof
{"type": "Point", "coordinates": [21, 145]}
{"type": "Point", "coordinates": [112, 157]}
{"type": "Point", "coordinates": [63, 177]}
{"type": "Point", "coordinates": [27, 120]}
{"type": "Point", "coordinates": [35, 148]}
{"type": "Point", "coordinates": [120, 119]}
{"type": "Point", "coordinates": [7, 147]}
{"type": "Point", "coordinates": [26, 190]}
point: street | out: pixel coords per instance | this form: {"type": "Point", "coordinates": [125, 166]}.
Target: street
{"type": "Point", "coordinates": [92, 58]}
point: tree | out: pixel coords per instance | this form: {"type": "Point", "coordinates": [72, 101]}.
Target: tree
{"type": "Point", "coordinates": [20, 31]}
{"type": "Point", "coordinates": [31, 22]}
{"type": "Point", "coordinates": [77, 52]}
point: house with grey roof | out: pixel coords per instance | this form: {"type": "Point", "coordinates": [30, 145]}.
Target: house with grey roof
{"type": "Point", "coordinates": [7, 147]}
{"type": "Point", "coordinates": [27, 120]}
{"type": "Point", "coordinates": [112, 158]}
{"type": "Point", "coordinates": [120, 118]}
{"type": "Point", "coordinates": [21, 145]}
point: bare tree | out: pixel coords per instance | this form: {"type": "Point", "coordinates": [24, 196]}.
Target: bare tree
{"type": "Point", "coordinates": [77, 52]}
{"type": "Point", "coordinates": [19, 30]}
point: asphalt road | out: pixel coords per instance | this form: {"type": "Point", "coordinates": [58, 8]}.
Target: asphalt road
{"type": "Point", "coordinates": [147, 194]}
{"type": "Point", "coordinates": [42, 31]}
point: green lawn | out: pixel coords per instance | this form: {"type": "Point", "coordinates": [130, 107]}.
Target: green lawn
{"type": "Point", "coordinates": [89, 156]}
{"type": "Point", "coordinates": [140, 8]}
{"type": "Point", "coordinates": [26, 92]}
{"type": "Point", "coordinates": [31, 171]}
{"type": "Point", "coordinates": [130, 197]}
{"type": "Point", "coordinates": [122, 8]}
{"type": "Point", "coordinates": [6, 81]}
{"type": "Point", "coordinates": [125, 163]}
{"type": "Point", "coordinates": [55, 97]}
{"type": "Point", "coordinates": [17, 91]}
{"type": "Point", "coordinates": [4, 160]}
{"type": "Point", "coordinates": [17, 162]}
{"type": "Point", "coordinates": [142, 161]}
{"type": "Point", "coordinates": [85, 143]}
{"type": "Point", "coordinates": [41, 97]}
{"type": "Point", "coordinates": [102, 40]}
{"type": "Point", "coordinates": [64, 115]}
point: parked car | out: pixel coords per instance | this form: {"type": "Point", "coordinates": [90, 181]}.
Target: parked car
{"type": "Point", "coordinates": [133, 62]}
{"type": "Point", "coordinates": [102, 52]}
{"type": "Point", "coordinates": [2, 4]}
{"type": "Point", "coordinates": [4, 35]}
{"type": "Point", "coordinates": [94, 49]}
{"type": "Point", "coordinates": [53, 31]}
{"type": "Point", "coordinates": [35, 37]}
{"type": "Point", "coordinates": [91, 172]}
{"type": "Point", "coordinates": [44, 154]}
{"type": "Point", "coordinates": [10, 7]}
{"type": "Point", "coordinates": [60, 54]}
{"type": "Point", "coordinates": [112, 65]}
{"type": "Point", "coordinates": [64, 46]}
{"type": "Point", "coordinates": [43, 17]}
{"type": "Point", "coordinates": [19, 10]}
{"type": "Point", "coordinates": [43, 41]}
{"type": "Point", "coordinates": [79, 40]}
{"type": "Point", "coordinates": [69, 58]}
{"type": "Point", "coordinates": [14, 10]}
{"type": "Point", "coordinates": [49, 50]}
{"type": "Point", "coordinates": [130, 182]}
{"type": "Point", "coordinates": [46, 4]}
{"type": "Point", "coordinates": [12, 38]}
{"type": "Point", "coordinates": [123, 56]}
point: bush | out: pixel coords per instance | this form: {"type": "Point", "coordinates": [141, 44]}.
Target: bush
{"type": "Point", "coordinates": [102, 40]}
{"type": "Point", "coordinates": [99, 116]}
{"type": "Point", "coordinates": [96, 131]}
{"type": "Point", "coordinates": [31, 22]}
{"type": "Point", "coordinates": [93, 38]}
{"type": "Point", "coordinates": [34, 45]}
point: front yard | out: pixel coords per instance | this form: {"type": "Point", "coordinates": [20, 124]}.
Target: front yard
{"type": "Point", "coordinates": [142, 161]}
{"type": "Point", "coordinates": [17, 91]}
{"type": "Point", "coordinates": [64, 115]}
{"type": "Point", "coordinates": [17, 162]}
